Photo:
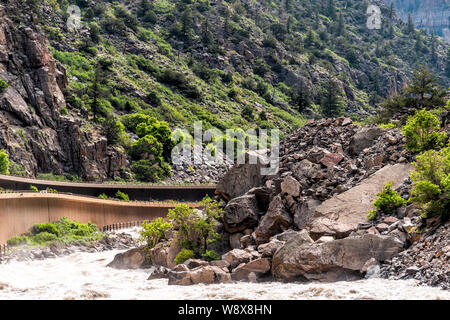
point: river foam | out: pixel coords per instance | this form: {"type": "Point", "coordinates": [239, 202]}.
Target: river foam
{"type": "Point", "coordinates": [85, 276]}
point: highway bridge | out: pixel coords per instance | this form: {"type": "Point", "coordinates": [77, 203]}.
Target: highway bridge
{"type": "Point", "coordinates": [20, 210]}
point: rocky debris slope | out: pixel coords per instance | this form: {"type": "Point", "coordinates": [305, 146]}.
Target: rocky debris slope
{"type": "Point", "coordinates": [33, 130]}
{"type": "Point", "coordinates": [110, 241]}
{"type": "Point", "coordinates": [198, 171]}
{"type": "Point", "coordinates": [308, 222]}
{"type": "Point", "coordinates": [426, 260]}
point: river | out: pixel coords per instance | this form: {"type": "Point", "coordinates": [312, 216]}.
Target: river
{"type": "Point", "coordinates": [84, 275]}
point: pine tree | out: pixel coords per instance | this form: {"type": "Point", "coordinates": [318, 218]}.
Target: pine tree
{"type": "Point", "coordinates": [392, 10]}
{"type": "Point", "coordinates": [433, 48]}
{"type": "Point", "coordinates": [331, 102]}
{"type": "Point", "coordinates": [100, 77]}
{"type": "Point", "coordinates": [447, 63]}
{"type": "Point", "coordinates": [187, 21]}
{"type": "Point", "coordinates": [331, 10]}
{"type": "Point", "coordinates": [410, 27]}
{"type": "Point", "coordinates": [341, 25]}
{"type": "Point", "coordinates": [425, 90]}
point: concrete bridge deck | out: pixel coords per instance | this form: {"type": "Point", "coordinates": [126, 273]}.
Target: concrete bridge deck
{"type": "Point", "coordinates": [141, 192]}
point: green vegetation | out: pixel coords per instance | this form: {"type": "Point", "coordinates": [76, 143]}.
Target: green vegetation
{"type": "Point", "coordinates": [3, 85]}
{"type": "Point", "coordinates": [211, 255]}
{"type": "Point", "coordinates": [422, 132]}
{"type": "Point", "coordinates": [184, 255]}
{"type": "Point", "coordinates": [388, 201]}
{"type": "Point", "coordinates": [122, 196]}
{"type": "Point", "coordinates": [34, 188]}
{"type": "Point", "coordinates": [153, 231]}
{"type": "Point", "coordinates": [63, 231]}
{"type": "Point", "coordinates": [431, 182]}
{"type": "Point", "coordinates": [195, 229]}
{"type": "Point", "coordinates": [423, 92]}
{"type": "Point", "coordinates": [4, 162]}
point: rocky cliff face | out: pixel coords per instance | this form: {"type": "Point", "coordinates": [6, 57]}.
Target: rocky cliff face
{"type": "Point", "coordinates": [432, 15]}
{"type": "Point", "coordinates": [32, 130]}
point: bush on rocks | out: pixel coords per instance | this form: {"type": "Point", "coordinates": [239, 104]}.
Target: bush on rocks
{"type": "Point", "coordinates": [388, 200]}
{"type": "Point", "coordinates": [422, 132]}
{"type": "Point", "coordinates": [152, 232]}
{"type": "Point", "coordinates": [432, 182]}
{"type": "Point", "coordinates": [184, 255]}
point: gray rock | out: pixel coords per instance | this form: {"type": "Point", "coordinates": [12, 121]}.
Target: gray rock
{"type": "Point", "coordinates": [241, 213]}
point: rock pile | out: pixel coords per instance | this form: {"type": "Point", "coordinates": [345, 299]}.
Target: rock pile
{"type": "Point", "coordinates": [308, 221]}
{"type": "Point", "coordinates": [330, 156]}
{"type": "Point", "coordinates": [198, 172]}
{"type": "Point", "coordinates": [426, 260]}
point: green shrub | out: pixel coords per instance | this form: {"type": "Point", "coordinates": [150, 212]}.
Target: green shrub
{"type": "Point", "coordinates": [3, 85]}
{"type": "Point", "coordinates": [431, 182]}
{"type": "Point", "coordinates": [113, 130]}
{"type": "Point", "coordinates": [388, 200]}
{"type": "Point", "coordinates": [34, 188]}
{"type": "Point", "coordinates": [386, 125]}
{"type": "Point", "coordinates": [45, 227]}
{"type": "Point", "coordinates": [148, 171]}
{"type": "Point", "coordinates": [146, 148]}
{"type": "Point", "coordinates": [4, 162]}
{"type": "Point", "coordinates": [211, 255]}
{"type": "Point", "coordinates": [122, 196]}
{"type": "Point", "coordinates": [372, 215]}
{"type": "Point", "coordinates": [196, 230]}
{"type": "Point", "coordinates": [184, 255]}
{"type": "Point", "coordinates": [153, 231]}
{"type": "Point", "coordinates": [422, 132]}
{"type": "Point", "coordinates": [43, 237]}
{"type": "Point", "coordinates": [16, 241]}
{"type": "Point", "coordinates": [103, 196]}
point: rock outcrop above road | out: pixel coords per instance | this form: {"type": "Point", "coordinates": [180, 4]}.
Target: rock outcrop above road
{"type": "Point", "coordinates": [33, 129]}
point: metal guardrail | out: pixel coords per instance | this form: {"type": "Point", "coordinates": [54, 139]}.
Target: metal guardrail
{"type": "Point", "coordinates": [3, 249]}
{"type": "Point", "coordinates": [122, 225]}
{"type": "Point", "coordinates": [90, 197]}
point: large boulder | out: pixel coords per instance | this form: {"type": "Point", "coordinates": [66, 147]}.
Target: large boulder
{"type": "Point", "coordinates": [305, 169]}
{"type": "Point", "coordinates": [290, 186]}
{"type": "Point", "coordinates": [258, 267]}
{"type": "Point", "coordinates": [164, 253]}
{"type": "Point", "coordinates": [341, 214]}
{"type": "Point", "coordinates": [132, 259]}
{"type": "Point", "coordinates": [276, 220]}
{"type": "Point", "coordinates": [237, 256]}
{"type": "Point", "coordinates": [304, 211]}
{"type": "Point", "coordinates": [242, 177]}
{"type": "Point", "coordinates": [203, 274]}
{"type": "Point", "coordinates": [336, 260]}
{"type": "Point", "coordinates": [241, 213]}
{"type": "Point", "coordinates": [364, 138]}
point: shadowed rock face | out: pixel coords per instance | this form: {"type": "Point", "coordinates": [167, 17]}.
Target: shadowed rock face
{"type": "Point", "coordinates": [432, 15]}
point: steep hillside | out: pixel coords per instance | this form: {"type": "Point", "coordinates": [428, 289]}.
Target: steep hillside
{"type": "Point", "coordinates": [432, 15]}
{"type": "Point", "coordinates": [231, 64]}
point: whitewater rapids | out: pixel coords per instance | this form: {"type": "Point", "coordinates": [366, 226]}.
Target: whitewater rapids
{"type": "Point", "coordinates": [84, 275]}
